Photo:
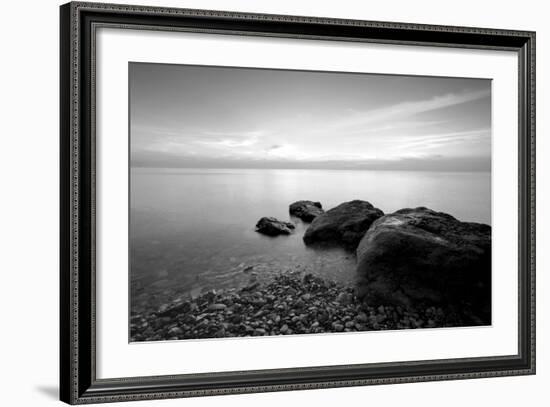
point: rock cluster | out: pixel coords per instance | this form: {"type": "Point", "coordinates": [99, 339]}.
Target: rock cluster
{"type": "Point", "coordinates": [411, 258]}
{"type": "Point", "coordinates": [290, 304]}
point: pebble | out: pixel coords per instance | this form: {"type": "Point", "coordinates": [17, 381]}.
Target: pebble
{"type": "Point", "coordinates": [337, 327]}
{"type": "Point", "coordinates": [175, 331]}
{"type": "Point", "coordinates": [285, 305]}
{"type": "Point", "coordinates": [362, 317]}
{"type": "Point", "coordinates": [217, 307]}
{"type": "Point", "coordinates": [345, 298]}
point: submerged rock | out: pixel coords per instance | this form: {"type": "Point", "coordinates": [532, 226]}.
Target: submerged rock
{"type": "Point", "coordinates": [175, 308]}
{"type": "Point", "coordinates": [306, 210]}
{"type": "Point", "coordinates": [273, 227]}
{"type": "Point", "coordinates": [343, 225]}
{"type": "Point", "coordinates": [421, 256]}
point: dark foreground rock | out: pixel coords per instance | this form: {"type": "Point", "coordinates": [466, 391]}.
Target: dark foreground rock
{"type": "Point", "coordinates": [306, 210]}
{"type": "Point", "coordinates": [343, 225]}
{"type": "Point", "coordinates": [274, 227]}
{"type": "Point", "coordinates": [419, 256]}
{"type": "Point", "coordinates": [291, 303]}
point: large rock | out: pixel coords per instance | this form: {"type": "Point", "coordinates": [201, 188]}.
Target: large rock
{"type": "Point", "coordinates": [343, 225]}
{"type": "Point", "coordinates": [273, 227]}
{"type": "Point", "coordinates": [419, 256]}
{"type": "Point", "coordinates": [306, 210]}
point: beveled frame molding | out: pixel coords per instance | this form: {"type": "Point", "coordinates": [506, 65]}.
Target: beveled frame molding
{"type": "Point", "coordinates": [78, 382]}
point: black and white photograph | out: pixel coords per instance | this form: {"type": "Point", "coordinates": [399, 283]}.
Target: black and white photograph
{"type": "Point", "coordinates": [281, 202]}
{"type": "Point", "coordinates": [275, 203]}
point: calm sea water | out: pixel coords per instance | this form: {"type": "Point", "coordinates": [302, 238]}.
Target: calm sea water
{"type": "Point", "coordinates": [193, 229]}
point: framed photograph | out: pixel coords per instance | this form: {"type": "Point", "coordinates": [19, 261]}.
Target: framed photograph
{"type": "Point", "coordinates": [255, 203]}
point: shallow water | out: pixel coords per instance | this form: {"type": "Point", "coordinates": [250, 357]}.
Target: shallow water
{"type": "Point", "coordinates": [193, 229]}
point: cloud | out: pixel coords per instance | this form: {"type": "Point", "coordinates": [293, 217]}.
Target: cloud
{"type": "Point", "coordinates": [274, 147]}
{"type": "Point", "coordinates": [406, 109]}
{"type": "Point", "coordinates": [232, 143]}
{"type": "Point", "coordinates": [183, 139]}
{"type": "Point", "coordinates": [441, 139]}
{"type": "Point", "coordinates": [360, 121]}
{"type": "Point", "coordinates": [387, 128]}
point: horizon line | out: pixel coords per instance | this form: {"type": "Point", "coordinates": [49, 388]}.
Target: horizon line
{"type": "Point", "coordinates": [307, 169]}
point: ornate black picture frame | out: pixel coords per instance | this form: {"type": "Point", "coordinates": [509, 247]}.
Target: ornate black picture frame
{"type": "Point", "coordinates": [78, 380]}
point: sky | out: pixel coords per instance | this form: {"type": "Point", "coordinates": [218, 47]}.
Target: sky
{"type": "Point", "coordinates": [225, 117]}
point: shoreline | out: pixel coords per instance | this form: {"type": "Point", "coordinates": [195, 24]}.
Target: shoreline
{"type": "Point", "coordinates": [290, 303]}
